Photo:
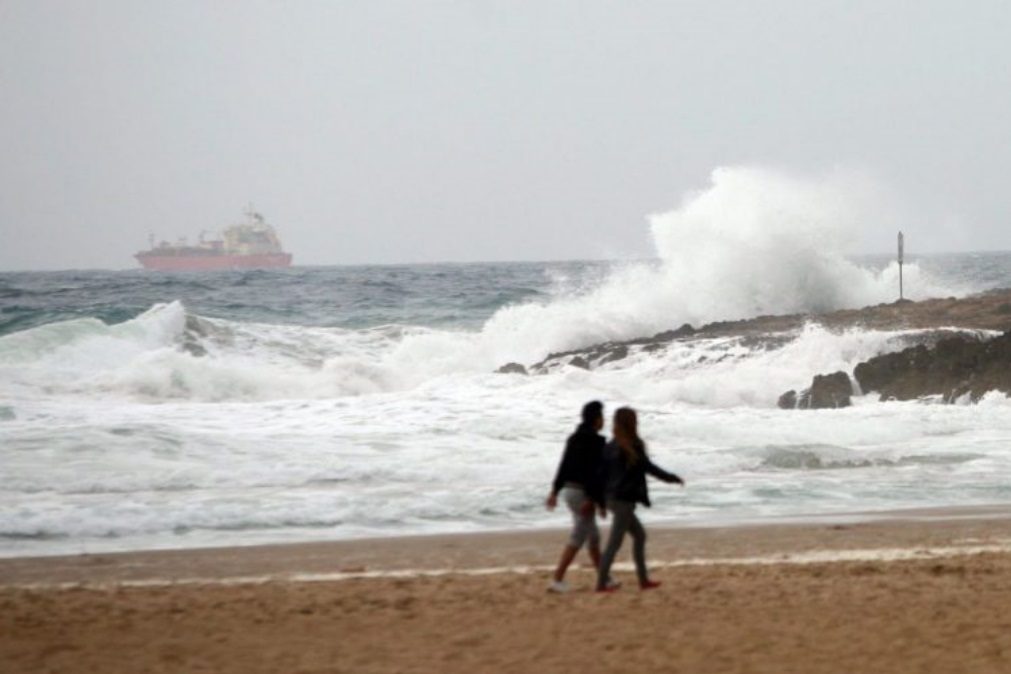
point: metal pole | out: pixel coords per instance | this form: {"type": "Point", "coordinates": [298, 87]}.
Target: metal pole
{"type": "Point", "coordinates": [901, 246]}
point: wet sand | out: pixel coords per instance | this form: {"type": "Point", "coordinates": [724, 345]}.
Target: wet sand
{"type": "Point", "coordinates": [923, 592]}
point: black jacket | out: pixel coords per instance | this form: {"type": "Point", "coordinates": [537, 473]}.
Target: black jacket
{"type": "Point", "coordinates": [581, 463]}
{"type": "Point", "coordinates": [625, 480]}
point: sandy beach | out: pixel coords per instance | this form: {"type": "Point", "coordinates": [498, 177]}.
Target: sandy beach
{"type": "Point", "coordinates": [924, 592]}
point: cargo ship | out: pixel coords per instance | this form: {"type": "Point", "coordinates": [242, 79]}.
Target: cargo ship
{"type": "Point", "coordinates": [249, 245]}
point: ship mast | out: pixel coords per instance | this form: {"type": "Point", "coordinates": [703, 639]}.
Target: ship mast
{"type": "Point", "coordinates": [252, 215]}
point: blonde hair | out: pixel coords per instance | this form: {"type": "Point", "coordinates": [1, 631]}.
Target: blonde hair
{"type": "Point", "coordinates": [626, 433]}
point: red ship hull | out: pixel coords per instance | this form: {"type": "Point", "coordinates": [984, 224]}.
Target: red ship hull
{"type": "Point", "coordinates": [212, 262]}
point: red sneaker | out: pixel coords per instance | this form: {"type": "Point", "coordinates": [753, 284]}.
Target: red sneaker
{"type": "Point", "coordinates": [608, 589]}
{"type": "Point", "coordinates": [649, 585]}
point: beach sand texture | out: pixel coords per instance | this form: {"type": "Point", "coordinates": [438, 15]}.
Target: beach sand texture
{"type": "Point", "coordinates": [739, 599]}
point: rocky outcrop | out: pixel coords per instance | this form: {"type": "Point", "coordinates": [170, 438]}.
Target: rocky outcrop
{"type": "Point", "coordinates": [586, 359]}
{"type": "Point", "coordinates": [827, 391]}
{"type": "Point", "coordinates": [686, 330]}
{"type": "Point", "coordinates": [512, 368]}
{"type": "Point", "coordinates": [936, 363]}
{"type": "Point", "coordinates": [953, 368]}
{"type": "Point", "coordinates": [966, 365]}
{"type": "Point", "coordinates": [788, 401]}
{"type": "Point", "coordinates": [986, 311]}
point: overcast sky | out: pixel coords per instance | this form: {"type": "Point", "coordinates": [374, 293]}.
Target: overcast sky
{"type": "Point", "coordinates": [380, 132]}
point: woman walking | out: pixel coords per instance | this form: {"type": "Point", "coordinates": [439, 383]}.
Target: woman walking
{"type": "Point", "coordinates": [625, 466]}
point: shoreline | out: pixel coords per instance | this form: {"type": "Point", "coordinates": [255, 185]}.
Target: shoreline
{"type": "Point", "coordinates": [945, 530]}
{"type": "Point", "coordinates": [977, 511]}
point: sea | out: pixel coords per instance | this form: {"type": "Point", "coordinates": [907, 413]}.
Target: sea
{"type": "Point", "coordinates": [147, 410]}
{"type": "Point", "coordinates": [142, 410]}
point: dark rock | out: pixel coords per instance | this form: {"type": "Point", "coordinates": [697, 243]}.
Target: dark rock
{"type": "Point", "coordinates": [952, 368]}
{"type": "Point", "coordinates": [879, 372]}
{"type": "Point", "coordinates": [827, 391]}
{"type": "Point", "coordinates": [788, 401]}
{"type": "Point", "coordinates": [686, 330]}
{"type": "Point", "coordinates": [615, 354]}
{"type": "Point", "coordinates": [769, 342]}
{"type": "Point", "coordinates": [601, 353]}
{"type": "Point", "coordinates": [512, 368]}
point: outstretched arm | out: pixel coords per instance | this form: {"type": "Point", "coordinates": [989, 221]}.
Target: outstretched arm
{"type": "Point", "coordinates": [661, 474]}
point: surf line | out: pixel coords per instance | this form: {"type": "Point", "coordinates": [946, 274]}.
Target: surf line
{"type": "Point", "coordinates": [797, 559]}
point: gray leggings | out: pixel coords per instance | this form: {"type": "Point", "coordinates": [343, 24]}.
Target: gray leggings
{"type": "Point", "coordinates": [623, 520]}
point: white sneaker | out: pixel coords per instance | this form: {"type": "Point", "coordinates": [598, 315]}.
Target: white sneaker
{"type": "Point", "coordinates": [559, 586]}
{"type": "Point", "coordinates": [612, 584]}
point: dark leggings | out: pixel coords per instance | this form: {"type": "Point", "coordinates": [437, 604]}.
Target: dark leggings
{"type": "Point", "coordinates": [623, 520]}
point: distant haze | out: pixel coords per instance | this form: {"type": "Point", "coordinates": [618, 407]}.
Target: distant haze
{"type": "Point", "coordinates": [382, 132]}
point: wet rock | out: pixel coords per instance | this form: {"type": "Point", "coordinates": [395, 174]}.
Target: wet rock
{"type": "Point", "coordinates": [769, 342]}
{"type": "Point", "coordinates": [686, 330]}
{"type": "Point", "coordinates": [512, 368]}
{"type": "Point", "coordinates": [599, 354]}
{"type": "Point", "coordinates": [953, 368]}
{"type": "Point", "coordinates": [615, 354]}
{"type": "Point", "coordinates": [788, 401]}
{"type": "Point", "coordinates": [827, 391]}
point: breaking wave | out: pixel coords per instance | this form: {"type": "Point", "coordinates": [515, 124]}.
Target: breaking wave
{"type": "Point", "coordinates": [169, 354]}
{"type": "Point", "coordinates": [755, 242]}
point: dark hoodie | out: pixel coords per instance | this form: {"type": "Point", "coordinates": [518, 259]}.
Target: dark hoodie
{"type": "Point", "coordinates": [581, 463]}
{"type": "Point", "coordinates": [625, 480]}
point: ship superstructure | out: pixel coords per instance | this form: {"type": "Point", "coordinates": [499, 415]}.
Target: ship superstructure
{"type": "Point", "coordinates": [249, 245]}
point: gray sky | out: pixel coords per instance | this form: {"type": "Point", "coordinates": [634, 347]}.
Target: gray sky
{"type": "Point", "coordinates": [371, 131]}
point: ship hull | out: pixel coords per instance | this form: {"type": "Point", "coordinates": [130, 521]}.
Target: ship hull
{"type": "Point", "coordinates": [212, 262]}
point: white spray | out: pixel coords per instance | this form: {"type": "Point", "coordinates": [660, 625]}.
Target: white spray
{"type": "Point", "coordinates": [754, 242]}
